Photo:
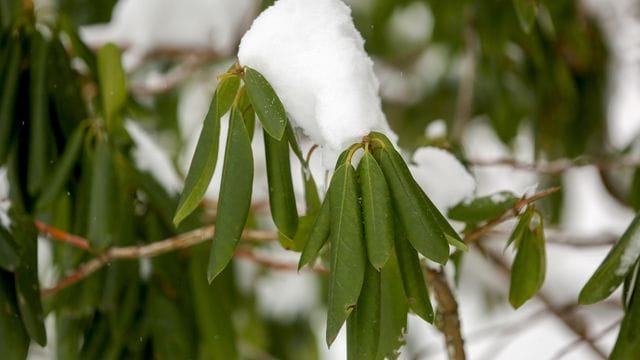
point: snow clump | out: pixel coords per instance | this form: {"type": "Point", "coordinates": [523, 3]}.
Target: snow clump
{"type": "Point", "coordinates": [313, 56]}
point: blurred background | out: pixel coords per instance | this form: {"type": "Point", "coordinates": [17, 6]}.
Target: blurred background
{"type": "Point", "coordinates": [526, 94]}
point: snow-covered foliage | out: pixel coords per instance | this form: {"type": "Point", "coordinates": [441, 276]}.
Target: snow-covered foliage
{"type": "Point", "coordinates": [314, 58]}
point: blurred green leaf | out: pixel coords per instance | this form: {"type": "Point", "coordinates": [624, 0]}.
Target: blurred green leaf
{"type": "Point", "coordinates": [168, 328]}
{"type": "Point", "coordinates": [628, 342]}
{"type": "Point", "coordinates": [235, 195]}
{"type": "Point", "coordinates": [526, 10]}
{"type": "Point", "coordinates": [63, 170]}
{"type": "Point", "coordinates": [282, 199]}
{"type": "Point", "coordinates": [483, 208]}
{"type": "Point", "coordinates": [103, 205]}
{"type": "Point", "coordinates": [318, 236]}
{"type": "Point", "coordinates": [615, 267]}
{"type": "Point", "coordinates": [11, 72]}
{"type": "Point", "coordinates": [39, 121]}
{"type": "Point", "coordinates": [363, 325]}
{"type": "Point", "coordinates": [529, 267]}
{"type": "Point", "coordinates": [376, 208]}
{"type": "Point", "coordinates": [393, 307]}
{"type": "Point", "coordinates": [9, 257]}
{"type": "Point", "coordinates": [113, 83]}
{"type": "Point", "coordinates": [206, 154]}
{"type": "Point", "coordinates": [14, 340]}
{"type": "Point", "coordinates": [265, 103]}
{"type": "Point", "coordinates": [348, 257]}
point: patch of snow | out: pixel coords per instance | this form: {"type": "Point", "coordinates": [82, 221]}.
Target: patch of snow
{"type": "Point", "coordinates": [498, 197]}
{"type": "Point", "coordinates": [441, 176]}
{"type": "Point", "coordinates": [411, 24]}
{"type": "Point", "coordinates": [143, 25]}
{"type": "Point", "coordinates": [151, 157]}
{"type": "Point", "coordinates": [436, 129]}
{"type": "Point", "coordinates": [314, 57]}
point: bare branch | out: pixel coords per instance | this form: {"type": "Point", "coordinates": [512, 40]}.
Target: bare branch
{"type": "Point", "coordinates": [561, 166]}
{"type": "Point", "coordinates": [448, 313]}
{"type": "Point", "coordinates": [575, 343]}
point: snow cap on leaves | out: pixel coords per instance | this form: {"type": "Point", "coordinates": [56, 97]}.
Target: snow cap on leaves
{"type": "Point", "coordinates": [313, 56]}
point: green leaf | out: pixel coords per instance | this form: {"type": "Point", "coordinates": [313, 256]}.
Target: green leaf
{"type": "Point", "coordinates": [14, 340]}
{"type": "Point", "coordinates": [235, 195]}
{"type": "Point", "coordinates": [79, 47]}
{"type": "Point", "coordinates": [529, 266]}
{"type": "Point", "coordinates": [282, 199]}
{"type": "Point", "coordinates": [9, 258]}
{"type": "Point", "coordinates": [311, 196]}
{"type": "Point", "coordinates": [103, 205]}
{"type": "Point", "coordinates": [628, 289]}
{"type": "Point", "coordinates": [452, 236]}
{"type": "Point", "coordinates": [206, 154]}
{"type": "Point", "coordinates": [113, 83]}
{"type": "Point", "coordinates": [8, 95]}
{"type": "Point", "coordinates": [27, 284]}
{"type": "Point", "coordinates": [265, 103]}
{"type": "Point", "coordinates": [348, 258]}
{"type": "Point", "coordinates": [615, 267]}
{"type": "Point", "coordinates": [393, 316]}
{"type": "Point", "coordinates": [522, 227]}
{"type": "Point", "coordinates": [422, 229]}
{"type": "Point", "coordinates": [413, 283]}
{"type": "Point", "coordinates": [483, 208]}
{"type": "Point", "coordinates": [628, 342]}
{"type": "Point", "coordinates": [526, 10]}
{"type": "Point", "coordinates": [319, 235]}
{"type": "Point", "coordinates": [39, 125]}
{"type": "Point", "coordinates": [212, 311]}
{"type": "Point", "coordinates": [363, 325]}
{"type": "Point", "coordinates": [376, 208]}
{"type": "Point", "coordinates": [63, 169]}
{"type": "Point", "coordinates": [169, 329]}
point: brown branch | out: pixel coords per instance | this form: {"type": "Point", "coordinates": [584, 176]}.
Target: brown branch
{"type": "Point", "coordinates": [558, 167]}
{"type": "Point", "coordinates": [181, 241]}
{"type": "Point", "coordinates": [274, 265]}
{"type": "Point", "coordinates": [572, 321]}
{"type": "Point", "coordinates": [479, 232]}
{"type": "Point", "coordinates": [447, 313]}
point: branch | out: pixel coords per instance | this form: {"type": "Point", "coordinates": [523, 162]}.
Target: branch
{"type": "Point", "coordinates": [448, 313]}
{"type": "Point", "coordinates": [572, 345]}
{"type": "Point", "coordinates": [479, 232]}
{"type": "Point", "coordinates": [561, 166]}
{"type": "Point", "coordinates": [572, 321]}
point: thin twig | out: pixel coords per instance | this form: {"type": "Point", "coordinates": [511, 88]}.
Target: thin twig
{"type": "Point", "coordinates": [182, 241]}
{"type": "Point", "coordinates": [448, 313]}
{"type": "Point", "coordinates": [479, 232]}
{"type": "Point", "coordinates": [575, 343]}
{"type": "Point", "coordinates": [571, 321]}
{"type": "Point", "coordinates": [558, 167]}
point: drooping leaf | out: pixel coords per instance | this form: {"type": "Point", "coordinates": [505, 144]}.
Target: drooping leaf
{"type": "Point", "coordinates": [521, 228]}
{"type": "Point", "coordinates": [282, 199]}
{"type": "Point", "coordinates": [628, 288]}
{"type": "Point", "coordinates": [422, 229]}
{"type": "Point", "coordinates": [318, 236]}
{"type": "Point", "coordinates": [376, 208]}
{"type": "Point", "coordinates": [614, 268]}
{"type": "Point", "coordinates": [63, 169]}
{"type": "Point", "coordinates": [413, 283]}
{"type": "Point", "coordinates": [9, 257]}
{"type": "Point", "coordinates": [169, 329]}
{"type": "Point", "coordinates": [483, 208]}
{"type": "Point", "coordinates": [526, 10]}
{"type": "Point", "coordinates": [452, 236]}
{"type": "Point", "coordinates": [113, 83]}
{"type": "Point", "coordinates": [311, 196]}
{"type": "Point", "coordinates": [529, 266]}
{"type": "Point", "coordinates": [265, 103]}
{"type": "Point", "coordinates": [206, 154]}
{"type": "Point", "coordinates": [8, 95]}
{"type": "Point", "coordinates": [14, 340]}
{"type": "Point", "coordinates": [213, 311]}
{"type": "Point", "coordinates": [235, 195]}
{"type": "Point", "coordinates": [628, 342]}
{"type": "Point", "coordinates": [79, 47]}
{"type": "Point", "coordinates": [393, 316]}
{"type": "Point", "coordinates": [27, 284]}
{"type": "Point", "coordinates": [363, 325]}
{"type": "Point", "coordinates": [103, 205]}
{"type": "Point", "coordinates": [39, 124]}
{"type": "Point", "coordinates": [348, 258]}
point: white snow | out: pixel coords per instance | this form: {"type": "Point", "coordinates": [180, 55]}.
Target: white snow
{"type": "Point", "coordinates": [313, 56]}
{"type": "Point", "coordinates": [442, 177]}
{"type": "Point", "coordinates": [436, 129]}
{"type": "Point", "coordinates": [143, 25]}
